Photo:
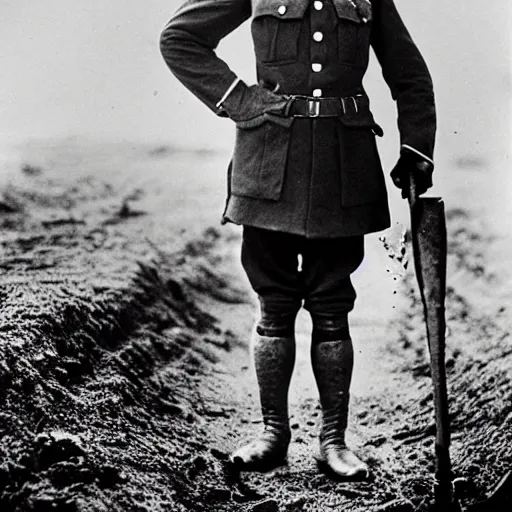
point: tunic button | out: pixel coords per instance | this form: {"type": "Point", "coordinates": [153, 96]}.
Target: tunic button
{"type": "Point", "coordinates": [318, 36]}
{"type": "Point", "coordinates": [316, 67]}
{"type": "Point", "coordinates": [317, 93]}
{"type": "Point", "coordinates": [318, 5]}
{"type": "Point", "coordinates": [282, 9]}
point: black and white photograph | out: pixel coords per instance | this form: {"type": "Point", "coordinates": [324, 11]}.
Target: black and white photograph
{"type": "Point", "coordinates": [255, 256]}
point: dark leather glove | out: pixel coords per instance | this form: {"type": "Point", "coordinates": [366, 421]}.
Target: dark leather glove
{"type": "Point", "coordinates": [421, 169]}
{"type": "Point", "coordinates": [248, 105]}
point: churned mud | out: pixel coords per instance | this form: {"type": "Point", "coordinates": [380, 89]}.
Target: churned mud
{"type": "Point", "coordinates": [124, 351]}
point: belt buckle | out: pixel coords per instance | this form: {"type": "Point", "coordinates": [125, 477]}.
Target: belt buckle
{"type": "Point", "coordinates": [313, 107]}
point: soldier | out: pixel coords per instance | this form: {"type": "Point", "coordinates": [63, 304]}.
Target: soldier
{"type": "Point", "coordinates": [306, 179]}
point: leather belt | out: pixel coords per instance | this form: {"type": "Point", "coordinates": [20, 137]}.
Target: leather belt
{"type": "Point", "coordinates": [309, 106]}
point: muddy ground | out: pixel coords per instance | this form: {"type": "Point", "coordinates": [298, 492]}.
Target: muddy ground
{"type": "Point", "coordinates": [124, 364]}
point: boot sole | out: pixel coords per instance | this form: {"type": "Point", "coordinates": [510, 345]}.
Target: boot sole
{"type": "Point", "coordinates": [359, 476]}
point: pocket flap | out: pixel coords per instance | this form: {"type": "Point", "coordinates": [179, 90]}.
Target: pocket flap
{"type": "Point", "coordinates": [283, 9]}
{"type": "Point", "coordinates": [362, 119]}
{"type": "Point", "coordinates": [359, 11]}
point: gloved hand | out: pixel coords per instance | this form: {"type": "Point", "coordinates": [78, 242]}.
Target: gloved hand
{"type": "Point", "coordinates": [247, 105]}
{"type": "Point", "coordinates": [421, 169]}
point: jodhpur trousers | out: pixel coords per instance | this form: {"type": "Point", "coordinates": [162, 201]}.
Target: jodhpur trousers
{"type": "Point", "coordinates": [319, 280]}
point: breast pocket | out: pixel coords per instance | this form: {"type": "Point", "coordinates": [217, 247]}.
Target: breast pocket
{"type": "Point", "coordinates": [260, 157]}
{"type": "Point", "coordinates": [276, 28]}
{"type": "Point", "coordinates": [354, 27]}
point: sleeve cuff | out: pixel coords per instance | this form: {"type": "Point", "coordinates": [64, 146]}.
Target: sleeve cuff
{"type": "Point", "coordinates": [410, 148]}
{"type": "Point", "coordinates": [230, 89]}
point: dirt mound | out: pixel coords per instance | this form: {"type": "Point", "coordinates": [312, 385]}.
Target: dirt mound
{"type": "Point", "coordinates": [102, 338]}
{"type": "Point", "coordinates": [98, 397]}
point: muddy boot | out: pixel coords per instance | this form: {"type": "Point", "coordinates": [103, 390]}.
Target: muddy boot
{"type": "Point", "coordinates": [332, 365]}
{"type": "Point", "coordinates": [274, 359]}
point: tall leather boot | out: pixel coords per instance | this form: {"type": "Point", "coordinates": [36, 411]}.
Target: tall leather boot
{"type": "Point", "coordinates": [332, 366]}
{"type": "Point", "coordinates": [274, 359]}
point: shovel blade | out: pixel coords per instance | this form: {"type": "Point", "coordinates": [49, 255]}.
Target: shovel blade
{"type": "Point", "coordinates": [428, 228]}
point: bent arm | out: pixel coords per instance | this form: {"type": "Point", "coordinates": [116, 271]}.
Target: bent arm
{"type": "Point", "coordinates": [188, 44]}
{"type": "Point", "coordinates": [408, 78]}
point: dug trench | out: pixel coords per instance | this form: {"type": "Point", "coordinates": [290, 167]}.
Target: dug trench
{"type": "Point", "coordinates": [128, 393]}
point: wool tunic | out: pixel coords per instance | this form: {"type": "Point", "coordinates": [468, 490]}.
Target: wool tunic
{"type": "Point", "coordinates": [315, 177]}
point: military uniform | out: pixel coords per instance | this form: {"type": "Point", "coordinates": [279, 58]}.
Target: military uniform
{"type": "Point", "coordinates": [305, 177]}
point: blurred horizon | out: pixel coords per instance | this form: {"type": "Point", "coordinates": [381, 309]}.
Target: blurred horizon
{"type": "Point", "coordinates": [94, 70]}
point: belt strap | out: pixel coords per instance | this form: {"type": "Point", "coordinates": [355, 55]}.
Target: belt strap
{"type": "Point", "coordinates": [309, 106]}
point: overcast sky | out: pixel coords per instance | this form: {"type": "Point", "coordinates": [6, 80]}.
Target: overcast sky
{"type": "Point", "coordinates": [70, 67]}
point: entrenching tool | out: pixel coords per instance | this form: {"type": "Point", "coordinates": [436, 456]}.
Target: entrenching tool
{"type": "Point", "coordinates": [429, 240]}
{"type": "Point", "coordinates": [428, 231]}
